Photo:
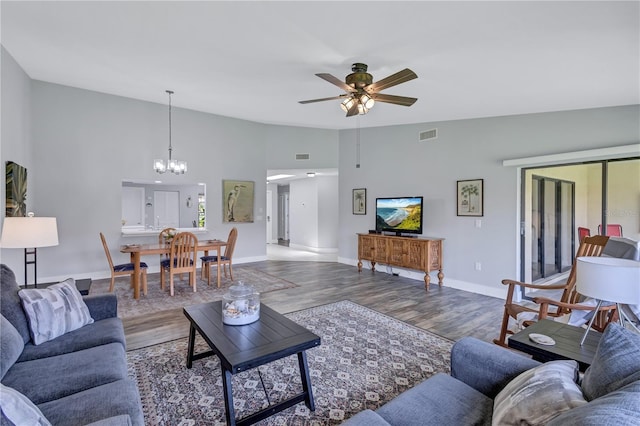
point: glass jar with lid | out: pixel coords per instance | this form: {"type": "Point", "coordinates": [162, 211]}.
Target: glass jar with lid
{"type": "Point", "coordinates": [241, 305]}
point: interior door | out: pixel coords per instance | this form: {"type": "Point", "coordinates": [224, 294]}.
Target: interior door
{"type": "Point", "coordinates": [166, 209]}
{"type": "Point", "coordinates": [132, 206]}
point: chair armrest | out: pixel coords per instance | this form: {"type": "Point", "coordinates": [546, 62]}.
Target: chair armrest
{"type": "Point", "coordinates": [537, 286]}
{"type": "Point", "coordinates": [486, 367]}
{"type": "Point", "coordinates": [102, 306]}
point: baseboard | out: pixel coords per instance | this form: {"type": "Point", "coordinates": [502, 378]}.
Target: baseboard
{"type": "Point", "coordinates": [471, 287]}
{"type": "Point", "coordinates": [313, 249]}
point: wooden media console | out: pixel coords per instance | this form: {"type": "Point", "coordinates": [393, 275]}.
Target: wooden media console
{"type": "Point", "coordinates": [423, 254]}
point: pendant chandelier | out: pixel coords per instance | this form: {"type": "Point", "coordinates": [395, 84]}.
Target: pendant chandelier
{"type": "Point", "coordinates": [171, 165]}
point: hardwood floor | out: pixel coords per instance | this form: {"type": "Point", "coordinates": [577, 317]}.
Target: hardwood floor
{"type": "Point", "coordinates": [445, 311]}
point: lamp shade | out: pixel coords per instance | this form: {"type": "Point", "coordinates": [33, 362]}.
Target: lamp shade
{"type": "Point", "coordinates": [29, 232]}
{"type": "Point", "coordinates": [609, 278]}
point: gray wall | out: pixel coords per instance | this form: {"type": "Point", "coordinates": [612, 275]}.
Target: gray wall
{"type": "Point", "coordinates": [15, 144]}
{"type": "Point", "coordinates": [395, 163]}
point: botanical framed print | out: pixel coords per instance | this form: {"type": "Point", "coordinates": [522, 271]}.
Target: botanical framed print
{"type": "Point", "coordinates": [470, 197]}
{"type": "Point", "coordinates": [15, 190]}
{"type": "Point", "coordinates": [359, 201]}
{"type": "Point", "coordinates": [237, 201]}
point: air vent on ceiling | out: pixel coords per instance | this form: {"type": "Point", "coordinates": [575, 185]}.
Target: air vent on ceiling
{"type": "Point", "coordinates": [302, 156]}
{"type": "Point", "coordinates": [428, 134]}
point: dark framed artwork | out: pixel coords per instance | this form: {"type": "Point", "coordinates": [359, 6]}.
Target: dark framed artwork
{"type": "Point", "coordinates": [237, 201]}
{"type": "Point", "coordinates": [359, 202]}
{"type": "Point", "coordinates": [470, 197]}
{"type": "Point", "coordinates": [16, 190]}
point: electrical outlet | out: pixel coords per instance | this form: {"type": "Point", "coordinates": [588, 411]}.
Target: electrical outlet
{"type": "Point", "coordinates": [478, 266]}
{"type": "Point", "coordinates": [478, 223]}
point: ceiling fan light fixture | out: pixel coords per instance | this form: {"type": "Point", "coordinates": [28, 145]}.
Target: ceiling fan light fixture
{"type": "Point", "coordinates": [347, 104]}
{"type": "Point", "coordinates": [362, 109]}
{"type": "Point", "coordinates": [367, 101]}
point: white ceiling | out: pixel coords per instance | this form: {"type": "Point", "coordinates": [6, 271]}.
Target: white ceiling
{"type": "Point", "coordinates": [256, 60]}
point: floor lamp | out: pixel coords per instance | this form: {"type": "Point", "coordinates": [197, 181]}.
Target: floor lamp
{"type": "Point", "coordinates": [29, 233]}
{"type": "Point", "coordinates": [609, 279]}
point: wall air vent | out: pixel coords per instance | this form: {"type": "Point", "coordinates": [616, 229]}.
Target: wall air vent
{"type": "Point", "coordinates": [428, 134]}
{"type": "Point", "coordinates": [302, 156]}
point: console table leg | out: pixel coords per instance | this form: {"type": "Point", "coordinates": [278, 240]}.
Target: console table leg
{"type": "Point", "coordinates": [440, 277]}
{"type": "Point", "coordinates": [359, 265]}
{"type": "Point", "coordinates": [427, 281]}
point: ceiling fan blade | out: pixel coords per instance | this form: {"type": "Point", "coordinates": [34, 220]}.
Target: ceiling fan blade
{"type": "Point", "coordinates": [322, 99]}
{"type": "Point", "coordinates": [393, 80]}
{"type": "Point", "coordinates": [334, 80]}
{"type": "Point", "coordinates": [392, 99]}
{"type": "Point", "coordinates": [353, 110]}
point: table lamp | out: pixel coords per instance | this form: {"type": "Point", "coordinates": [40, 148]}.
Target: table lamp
{"type": "Point", "coordinates": [29, 233]}
{"type": "Point", "coordinates": [609, 279]}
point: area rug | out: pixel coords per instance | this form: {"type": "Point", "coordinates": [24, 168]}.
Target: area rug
{"type": "Point", "coordinates": [157, 300]}
{"type": "Point", "coordinates": [365, 359]}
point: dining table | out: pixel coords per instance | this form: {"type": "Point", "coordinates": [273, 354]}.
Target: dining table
{"type": "Point", "coordinates": [136, 251]}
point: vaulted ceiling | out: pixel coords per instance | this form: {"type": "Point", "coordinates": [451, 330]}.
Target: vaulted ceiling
{"type": "Point", "coordinates": [256, 60]}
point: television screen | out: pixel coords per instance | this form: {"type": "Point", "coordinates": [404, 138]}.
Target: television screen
{"type": "Point", "coordinates": [399, 215]}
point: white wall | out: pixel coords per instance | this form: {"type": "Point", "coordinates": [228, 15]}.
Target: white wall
{"type": "Point", "coordinates": [395, 163]}
{"type": "Point", "coordinates": [328, 212]}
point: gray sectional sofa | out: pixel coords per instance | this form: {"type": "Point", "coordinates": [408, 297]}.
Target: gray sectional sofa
{"type": "Point", "coordinates": [78, 378]}
{"type": "Point", "coordinates": [608, 394]}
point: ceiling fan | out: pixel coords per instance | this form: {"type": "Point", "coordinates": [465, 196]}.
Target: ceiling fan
{"type": "Point", "coordinates": [362, 92]}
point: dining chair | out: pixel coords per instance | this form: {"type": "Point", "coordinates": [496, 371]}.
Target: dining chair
{"type": "Point", "coordinates": [225, 259]}
{"type": "Point", "coordinates": [613, 230]}
{"type": "Point", "coordinates": [123, 268]}
{"type": "Point", "coordinates": [162, 239]}
{"type": "Point", "coordinates": [564, 297]}
{"type": "Point", "coordinates": [182, 258]}
{"type": "Point", "coordinates": [583, 232]}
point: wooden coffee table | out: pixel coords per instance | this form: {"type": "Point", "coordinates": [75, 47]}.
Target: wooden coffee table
{"type": "Point", "coordinates": [242, 347]}
{"type": "Point", "coordinates": [567, 345]}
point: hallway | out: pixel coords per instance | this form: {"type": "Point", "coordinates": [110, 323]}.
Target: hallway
{"type": "Point", "coordinates": [279, 252]}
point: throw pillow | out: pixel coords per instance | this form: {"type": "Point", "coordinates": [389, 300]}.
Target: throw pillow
{"type": "Point", "coordinates": [11, 345]}
{"type": "Point", "coordinates": [615, 364]}
{"type": "Point", "coordinates": [19, 409]}
{"type": "Point", "coordinates": [54, 311]}
{"type": "Point", "coordinates": [538, 395]}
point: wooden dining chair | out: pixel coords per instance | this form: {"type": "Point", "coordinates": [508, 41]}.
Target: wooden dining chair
{"type": "Point", "coordinates": [225, 259]}
{"type": "Point", "coordinates": [123, 268]}
{"type": "Point", "coordinates": [182, 258]}
{"type": "Point", "coordinates": [570, 298]}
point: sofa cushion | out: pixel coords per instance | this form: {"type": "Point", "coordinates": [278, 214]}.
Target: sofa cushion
{"type": "Point", "coordinates": [99, 333]}
{"type": "Point", "coordinates": [54, 311]}
{"type": "Point", "coordinates": [63, 375]}
{"type": "Point", "coordinates": [19, 410]}
{"type": "Point", "coordinates": [620, 407]}
{"type": "Point", "coordinates": [101, 402]}
{"type": "Point", "coordinates": [538, 395]}
{"type": "Point", "coordinates": [615, 364]}
{"type": "Point", "coordinates": [439, 400]}
{"type": "Point", "coordinates": [11, 345]}
{"type": "Point", "coordinates": [11, 304]}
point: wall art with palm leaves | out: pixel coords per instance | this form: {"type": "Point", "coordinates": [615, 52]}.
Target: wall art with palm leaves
{"type": "Point", "coordinates": [470, 197]}
{"type": "Point", "coordinates": [16, 190]}
{"type": "Point", "coordinates": [360, 201]}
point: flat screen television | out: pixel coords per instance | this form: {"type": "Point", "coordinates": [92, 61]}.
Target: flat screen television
{"type": "Point", "coordinates": [402, 215]}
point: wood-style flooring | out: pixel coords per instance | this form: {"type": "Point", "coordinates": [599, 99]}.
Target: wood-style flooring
{"type": "Point", "coordinates": [445, 311]}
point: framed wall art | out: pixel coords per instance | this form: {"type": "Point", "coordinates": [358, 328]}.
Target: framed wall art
{"type": "Point", "coordinates": [237, 201]}
{"type": "Point", "coordinates": [359, 201]}
{"type": "Point", "coordinates": [15, 190]}
{"type": "Point", "coordinates": [470, 197]}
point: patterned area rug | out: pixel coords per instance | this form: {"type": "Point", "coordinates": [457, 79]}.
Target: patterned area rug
{"type": "Point", "coordinates": [365, 359]}
{"type": "Point", "coordinates": [158, 300]}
